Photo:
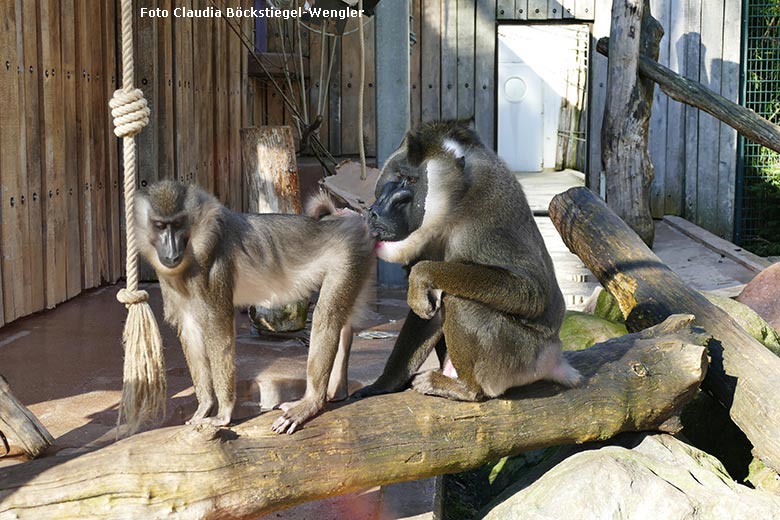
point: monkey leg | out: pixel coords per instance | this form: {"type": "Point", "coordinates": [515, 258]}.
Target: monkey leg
{"type": "Point", "coordinates": [339, 381]}
{"type": "Point", "coordinates": [330, 317]}
{"type": "Point", "coordinates": [222, 357]}
{"type": "Point", "coordinates": [415, 342]}
{"type": "Point", "coordinates": [193, 342]}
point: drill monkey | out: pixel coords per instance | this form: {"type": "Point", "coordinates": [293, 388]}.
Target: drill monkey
{"type": "Point", "coordinates": [480, 276]}
{"type": "Point", "coordinates": [210, 259]}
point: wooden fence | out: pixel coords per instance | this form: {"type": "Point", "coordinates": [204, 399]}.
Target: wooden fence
{"type": "Point", "coordinates": [61, 220]}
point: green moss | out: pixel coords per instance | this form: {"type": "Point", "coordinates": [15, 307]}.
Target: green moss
{"type": "Point", "coordinates": [581, 330]}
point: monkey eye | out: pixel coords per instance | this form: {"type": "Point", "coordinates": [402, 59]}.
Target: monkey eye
{"type": "Point", "coordinates": [159, 225]}
{"type": "Point", "coordinates": [406, 180]}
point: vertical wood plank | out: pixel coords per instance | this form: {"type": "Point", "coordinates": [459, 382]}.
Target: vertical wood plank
{"type": "Point", "coordinates": [727, 163]}
{"type": "Point", "coordinates": [449, 60]}
{"type": "Point", "coordinates": [164, 111]}
{"type": "Point", "coordinates": [316, 60]}
{"type": "Point", "coordinates": [537, 9]}
{"type": "Point", "coordinates": [584, 9]}
{"type": "Point", "coordinates": [71, 183]}
{"type": "Point", "coordinates": [31, 71]}
{"type": "Point", "coordinates": [98, 140]}
{"type": "Point", "coordinates": [113, 207]}
{"type": "Point", "coordinates": [484, 95]}
{"type": "Point", "coordinates": [554, 10]}
{"type": "Point", "coordinates": [505, 9]}
{"type": "Point", "coordinates": [54, 128]}
{"type": "Point", "coordinates": [146, 74]}
{"type": "Point", "coordinates": [709, 127]}
{"type": "Point", "coordinates": [692, 49]}
{"type": "Point", "coordinates": [369, 101]}
{"type": "Point", "coordinates": [12, 176]}
{"type": "Point", "coordinates": [430, 59]}
{"type": "Point", "coordinates": [466, 23]}
{"type": "Point", "coordinates": [221, 149]}
{"type": "Point", "coordinates": [85, 156]}
{"type": "Point", "coordinates": [204, 98]}
{"type": "Point", "coordinates": [334, 102]}
{"type": "Point", "coordinates": [415, 81]}
{"type": "Point", "coordinates": [597, 85]}
{"type": "Point", "coordinates": [674, 185]}
{"type": "Point", "coordinates": [521, 9]}
{"type": "Point", "coordinates": [656, 141]}
{"type": "Point", "coordinates": [568, 8]}
{"type": "Point", "coordinates": [234, 116]}
{"type": "Point", "coordinates": [350, 77]}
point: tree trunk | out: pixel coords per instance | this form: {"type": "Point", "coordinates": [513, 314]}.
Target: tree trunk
{"type": "Point", "coordinates": [271, 176]}
{"type": "Point", "coordinates": [636, 382]}
{"type": "Point", "coordinates": [743, 374]}
{"type": "Point", "coordinates": [684, 90]}
{"type": "Point", "coordinates": [21, 425]}
{"type": "Point", "coordinates": [625, 157]}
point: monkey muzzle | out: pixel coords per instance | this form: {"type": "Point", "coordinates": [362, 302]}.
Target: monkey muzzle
{"type": "Point", "coordinates": [388, 217]}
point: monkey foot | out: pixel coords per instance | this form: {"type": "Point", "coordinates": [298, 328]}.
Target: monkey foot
{"type": "Point", "coordinates": [295, 414]}
{"type": "Point", "coordinates": [214, 421]}
{"type": "Point", "coordinates": [373, 389]}
{"type": "Point", "coordinates": [434, 382]}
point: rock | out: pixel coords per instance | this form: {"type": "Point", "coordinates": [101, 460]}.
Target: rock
{"type": "Point", "coordinates": [763, 478]}
{"type": "Point", "coordinates": [749, 320]}
{"type": "Point", "coordinates": [581, 330]}
{"type": "Point", "coordinates": [603, 305]}
{"type": "Point", "coordinates": [761, 295]}
{"type": "Point", "coordinates": [656, 476]}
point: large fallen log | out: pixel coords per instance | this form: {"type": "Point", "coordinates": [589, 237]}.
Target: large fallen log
{"type": "Point", "coordinates": [684, 90]}
{"type": "Point", "coordinates": [22, 426]}
{"type": "Point", "coordinates": [636, 382]}
{"type": "Point", "coordinates": [743, 374]}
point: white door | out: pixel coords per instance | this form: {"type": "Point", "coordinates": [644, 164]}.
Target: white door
{"type": "Point", "coordinates": [520, 117]}
{"type": "Point", "coordinates": [538, 67]}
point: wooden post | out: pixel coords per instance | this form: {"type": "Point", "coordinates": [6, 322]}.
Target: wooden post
{"type": "Point", "coordinates": [271, 176]}
{"type": "Point", "coordinates": [21, 425]}
{"type": "Point", "coordinates": [743, 374]}
{"type": "Point", "coordinates": [624, 154]}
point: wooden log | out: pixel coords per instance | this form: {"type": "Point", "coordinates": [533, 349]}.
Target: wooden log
{"type": "Point", "coordinates": [743, 374]}
{"type": "Point", "coordinates": [636, 382]}
{"type": "Point", "coordinates": [624, 133]}
{"type": "Point", "coordinates": [684, 90]}
{"type": "Point", "coordinates": [20, 424]}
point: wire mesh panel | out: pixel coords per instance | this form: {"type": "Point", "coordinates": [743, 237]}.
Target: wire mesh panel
{"type": "Point", "coordinates": [758, 221]}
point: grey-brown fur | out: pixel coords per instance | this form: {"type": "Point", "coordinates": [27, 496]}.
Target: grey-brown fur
{"type": "Point", "coordinates": [233, 259]}
{"type": "Point", "coordinates": [480, 276]}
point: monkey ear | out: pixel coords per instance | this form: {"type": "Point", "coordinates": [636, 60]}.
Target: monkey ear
{"type": "Point", "coordinates": [415, 148]}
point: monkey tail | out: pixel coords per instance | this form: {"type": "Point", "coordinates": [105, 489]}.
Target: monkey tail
{"type": "Point", "coordinates": [565, 374]}
{"type": "Point", "coordinates": [320, 206]}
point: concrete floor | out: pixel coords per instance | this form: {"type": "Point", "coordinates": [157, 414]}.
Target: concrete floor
{"type": "Point", "coordinates": [66, 364]}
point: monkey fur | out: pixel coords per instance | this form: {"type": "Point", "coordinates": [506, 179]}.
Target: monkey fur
{"type": "Point", "coordinates": [480, 278]}
{"type": "Point", "coordinates": [210, 259]}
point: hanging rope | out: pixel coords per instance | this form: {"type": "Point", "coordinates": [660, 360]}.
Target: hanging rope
{"type": "Point", "coordinates": [143, 381]}
{"type": "Point", "coordinates": [362, 87]}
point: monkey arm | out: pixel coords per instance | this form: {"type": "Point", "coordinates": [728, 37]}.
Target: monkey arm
{"type": "Point", "coordinates": [522, 293]}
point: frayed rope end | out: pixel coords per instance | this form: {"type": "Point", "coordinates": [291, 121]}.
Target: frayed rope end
{"type": "Point", "coordinates": [143, 382]}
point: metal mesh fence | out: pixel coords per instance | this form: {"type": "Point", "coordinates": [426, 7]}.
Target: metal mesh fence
{"type": "Point", "coordinates": [758, 218]}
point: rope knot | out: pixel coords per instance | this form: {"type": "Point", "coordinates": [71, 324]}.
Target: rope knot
{"type": "Point", "coordinates": [129, 297]}
{"type": "Point", "coordinates": [130, 112]}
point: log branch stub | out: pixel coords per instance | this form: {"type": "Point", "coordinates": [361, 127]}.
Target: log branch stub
{"type": "Point", "coordinates": [635, 382]}
{"type": "Point", "coordinates": [20, 425]}
{"type": "Point", "coordinates": [743, 374]}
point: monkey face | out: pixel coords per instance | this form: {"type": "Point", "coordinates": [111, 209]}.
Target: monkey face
{"type": "Point", "coordinates": [400, 200]}
{"type": "Point", "coordinates": [170, 237]}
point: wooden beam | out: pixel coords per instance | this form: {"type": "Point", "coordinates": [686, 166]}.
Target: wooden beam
{"type": "Point", "coordinates": [693, 93]}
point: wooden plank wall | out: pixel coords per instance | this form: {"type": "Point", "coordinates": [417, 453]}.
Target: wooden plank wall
{"type": "Point", "coordinates": [694, 155]}
{"type": "Point", "coordinates": [61, 220]}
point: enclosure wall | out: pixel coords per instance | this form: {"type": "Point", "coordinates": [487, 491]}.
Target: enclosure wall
{"type": "Point", "coordinates": [61, 216]}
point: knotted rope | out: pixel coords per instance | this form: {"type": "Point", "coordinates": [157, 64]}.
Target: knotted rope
{"type": "Point", "coordinates": [143, 381]}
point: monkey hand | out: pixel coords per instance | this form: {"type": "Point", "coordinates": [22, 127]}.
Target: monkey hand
{"type": "Point", "coordinates": [423, 299]}
{"type": "Point", "coordinates": [295, 414]}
